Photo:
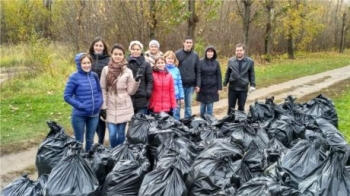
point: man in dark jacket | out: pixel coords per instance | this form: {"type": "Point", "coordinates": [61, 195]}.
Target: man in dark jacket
{"type": "Point", "coordinates": [190, 72]}
{"type": "Point", "coordinates": [239, 75]}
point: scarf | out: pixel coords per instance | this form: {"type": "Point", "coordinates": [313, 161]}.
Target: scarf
{"type": "Point", "coordinates": [114, 70]}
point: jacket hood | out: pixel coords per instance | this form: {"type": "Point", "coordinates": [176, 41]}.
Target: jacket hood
{"type": "Point", "coordinates": [77, 62]}
{"type": "Point", "coordinates": [212, 48]}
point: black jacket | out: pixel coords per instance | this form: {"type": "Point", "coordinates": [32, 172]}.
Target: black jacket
{"type": "Point", "coordinates": [99, 61]}
{"type": "Point", "coordinates": [239, 80]}
{"type": "Point", "coordinates": [211, 80]}
{"type": "Point", "coordinates": [141, 97]}
{"type": "Point", "coordinates": [189, 68]}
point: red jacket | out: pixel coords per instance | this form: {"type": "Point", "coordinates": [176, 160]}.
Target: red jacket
{"type": "Point", "coordinates": [163, 93]}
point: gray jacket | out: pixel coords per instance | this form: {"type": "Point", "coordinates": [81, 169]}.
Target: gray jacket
{"type": "Point", "coordinates": [240, 80]}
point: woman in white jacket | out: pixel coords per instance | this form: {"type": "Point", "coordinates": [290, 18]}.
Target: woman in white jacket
{"type": "Point", "coordinates": [118, 84]}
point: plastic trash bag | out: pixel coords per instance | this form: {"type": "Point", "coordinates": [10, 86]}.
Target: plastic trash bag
{"type": "Point", "coordinates": [323, 107]}
{"type": "Point", "coordinates": [161, 182]}
{"type": "Point", "coordinates": [261, 112]}
{"type": "Point", "coordinates": [128, 151]}
{"type": "Point", "coordinates": [126, 177]}
{"type": "Point", "coordinates": [245, 133]}
{"type": "Point", "coordinates": [72, 177]}
{"type": "Point", "coordinates": [100, 161]}
{"type": "Point", "coordinates": [286, 130]}
{"type": "Point", "coordinates": [266, 186]}
{"type": "Point", "coordinates": [302, 159]}
{"type": "Point", "coordinates": [183, 162]}
{"type": "Point", "coordinates": [22, 186]}
{"type": "Point", "coordinates": [52, 149]}
{"type": "Point", "coordinates": [138, 129]}
{"type": "Point", "coordinates": [330, 178]}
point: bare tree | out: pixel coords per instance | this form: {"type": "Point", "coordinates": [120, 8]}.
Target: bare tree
{"type": "Point", "coordinates": [343, 33]}
{"type": "Point", "coordinates": [245, 13]}
{"type": "Point", "coordinates": [269, 5]}
{"type": "Point", "coordinates": [193, 19]}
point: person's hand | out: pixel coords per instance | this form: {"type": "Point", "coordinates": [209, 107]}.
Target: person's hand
{"type": "Point", "coordinates": [182, 101]}
{"type": "Point", "coordinates": [197, 89]}
{"type": "Point", "coordinates": [251, 89]}
{"type": "Point", "coordinates": [138, 75]}
{"type": "Point", "coordinates": [219, 91]}
{"type": "Point", "coordinates": [103, 114]}
{"type": "Point", "coordinates": [225, 89]}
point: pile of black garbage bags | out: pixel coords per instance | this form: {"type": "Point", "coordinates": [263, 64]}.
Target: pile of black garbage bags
{"type": "Point", "coordinates": [287, 149]}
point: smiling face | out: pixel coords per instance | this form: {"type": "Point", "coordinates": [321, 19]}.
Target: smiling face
{"type": "Point", "coordinates": [160, 64]}
{"type": "Point", "coordinates": [135, 50]}
{"type": "Point", "coordinates": [153, 49]}
{"type": "Point", "coordinates": [210, 54]}
{"type": "Point", "coordinates": [117, 55]}
{"type": "Point", "coordinates": [99, 47]}
{"type": "Point", "coordinates": [86, 64]}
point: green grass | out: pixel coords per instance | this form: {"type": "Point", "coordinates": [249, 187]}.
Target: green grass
{"type": "Point", "coordinates": [29, 100]}
{"type": "Point", "coordinates": [342, 104]}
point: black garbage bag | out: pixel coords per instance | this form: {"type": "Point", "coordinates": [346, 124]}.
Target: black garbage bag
{"type": "Point", "coordinates": [231, 190]}
{"type": "Point", "coordinates": [100, 161]}
{"type": "Point", "coordinates": [266, 186]}
{"type": "Point", "coordinates": [302, 159]}
{"type": "Point", "coordinates": [183, 162]}
{"type": "Point", "coordinates": [245, 133]}
{"type": "Point", "coordinates": [128, 151]}
{"type": "Point", "coordinates": [274, 151]}
{"type": "Point", "coordinates": [235, 116]}
{"type": "Point", "coordinates": [209, 118]}
{"type": "Point", "coordinates": [139, 128]}
{"type": "Point", "coordinates": [22, 186]}
{"type": "Point", "coordinates": [164, 120]}
{"type": "Point", "coordinates": [53, 148]}
{"type": "Point", "coordinates": [261, 112]}
{"type": "Point", "coordinates": [206, 132]}
{"type": "Point", "coordinates": [323, 107]}
{"type": "Point", "coordinates": [211, 175]}
{"type": "Point", "coordinates": [178, 144]}
{"type": "Point", "coordinates": [161, 182]}
{"type": "Point", "coordinates": [286, 130]}
{"type": "Point", "coordinates": [126, 177]}
{"type": "Point", "coordinates": [72, 176]}
{"type": "Point", "coordinates": [187, 121]}
{"type": "Point", "coordinates": [331, 134]}
{"type": "Point", "coordinates": [330, 178]}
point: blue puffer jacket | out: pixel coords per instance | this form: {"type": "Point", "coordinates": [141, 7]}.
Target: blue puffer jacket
{"type": "Point", "coordinates": [175, 72]}
{"type": "Point", "coordinates": [83, 91]}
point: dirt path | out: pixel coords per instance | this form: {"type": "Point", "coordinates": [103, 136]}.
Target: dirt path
{"type": "Point", "coordinates": [13, 165]}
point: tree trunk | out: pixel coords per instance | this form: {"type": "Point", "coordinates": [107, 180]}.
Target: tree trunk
{"type": "Point", "coordinates": [246, 23]}
{"type": "Point", "coordinates": [269, 26]}
{"type": "Point", "coordinates": [191, 27]}
{"type": "Point", "coordinates": [153, 19]}
{"type": "Point", "coordinates": [343, 33]}
{"type": "Point", "coordinates": [290, 45]}
{"type": "Point", "coordinates": [48, 21]}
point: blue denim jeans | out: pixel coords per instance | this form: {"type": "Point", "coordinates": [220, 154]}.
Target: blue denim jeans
{"type": "Point", "coordinates": [188, 92]}
{"type": "Point", "coordinates": [141, 110]}
{"type": "Point", "coordinates": [206, 108]}
{"type": "Point", "coordinates": [82, 123]}
{"type": "Point", "coordinates": [116, 133]}
{"type": "Point", "coordinates": [176, 112]}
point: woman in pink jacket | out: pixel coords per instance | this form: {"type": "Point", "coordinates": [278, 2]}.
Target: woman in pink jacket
{"type": "Point", "coordinates": [163, 94]}
{"type": "Point", "coordinates": [118, 84]}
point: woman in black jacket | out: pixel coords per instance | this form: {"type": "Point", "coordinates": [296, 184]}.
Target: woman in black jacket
{"type": "Point", "coordinates": [99, 52]}
{"type": "Point", "coordinates": [211, 84]}
{"type": "Point", "coordinates": [142, 72]}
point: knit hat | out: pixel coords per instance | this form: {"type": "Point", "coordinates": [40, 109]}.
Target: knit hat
{"type": "Point", "coordinates": [154, 42]}
{"type": "Point", "coordinates": [137, 43]}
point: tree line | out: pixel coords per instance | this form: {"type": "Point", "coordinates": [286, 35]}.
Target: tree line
{"type": "Point", "coordinates": [266, 27]}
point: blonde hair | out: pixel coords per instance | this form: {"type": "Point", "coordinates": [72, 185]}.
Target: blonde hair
{"type": "Point", "coordinates": [170, 53]}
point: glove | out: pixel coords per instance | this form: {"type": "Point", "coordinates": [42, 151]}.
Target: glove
{"type": "Point", "coordinates": [103, 113]}
{"type": "Point", "coordinates": [138, 75]}
{"type": "Point", "coordinates": [251, 89]}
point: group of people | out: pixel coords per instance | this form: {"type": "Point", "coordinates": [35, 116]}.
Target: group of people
{"type": "Point", "coordinates": [109, 87]}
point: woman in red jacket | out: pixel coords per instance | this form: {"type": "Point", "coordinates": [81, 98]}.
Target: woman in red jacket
{"type": "Point", "coordinates": [163, 94]}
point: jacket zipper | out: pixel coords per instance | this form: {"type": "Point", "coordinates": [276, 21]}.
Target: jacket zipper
{"type": "Point", "coordinates": [92, 95]}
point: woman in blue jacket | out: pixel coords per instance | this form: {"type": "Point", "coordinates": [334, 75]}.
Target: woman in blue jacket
{"type": "Point", "coordinates": [83, 93]}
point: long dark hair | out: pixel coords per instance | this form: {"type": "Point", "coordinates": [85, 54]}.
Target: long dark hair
{"type": "Point", "coordinates": [97, 39]}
